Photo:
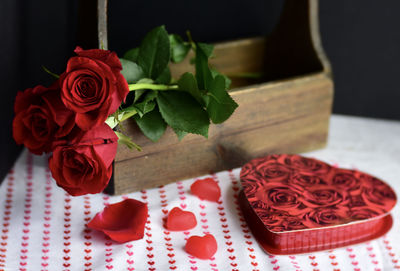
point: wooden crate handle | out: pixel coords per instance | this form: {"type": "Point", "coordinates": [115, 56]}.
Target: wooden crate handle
{"type": "Point", "coordinates": [102, 23]}
{"type": "Point", "coordinates": [294, 47]}
{"type": "Point", "coordinates": [92, 24]}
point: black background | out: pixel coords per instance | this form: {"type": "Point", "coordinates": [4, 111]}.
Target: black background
{"type": "Point", "coordinates": [361, 38]}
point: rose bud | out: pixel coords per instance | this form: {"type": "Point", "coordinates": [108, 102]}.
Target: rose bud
{"type": "Point", "coordinates": [123, 221]}
{"type": "Point", "coordinates": [84, 165]}
{"type": "Point", "coordinates": [41, 118]}
{"type": "Point", "coordinates": [92, 86]}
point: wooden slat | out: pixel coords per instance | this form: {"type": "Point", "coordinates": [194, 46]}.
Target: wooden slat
{"type": "Point", "coordinates": [285, 117]}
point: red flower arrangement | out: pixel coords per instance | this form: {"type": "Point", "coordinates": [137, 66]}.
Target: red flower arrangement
{"type": "Point", "coordinates": [74, 118]}
{"type": "Point", "coordinates": [68, 119]}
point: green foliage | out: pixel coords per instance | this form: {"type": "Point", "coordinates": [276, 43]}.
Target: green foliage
{"type": "Point", "coordinates": [187, 104]}
{"type": "Point", "coordinates": [132, 55]}
{"type": "Point", "coordinates": [146, 104]}
{"type": "Point", "coordinates": [152, 125]}
{"type": "Point", "coordinates": [126, 140]}
{"type": "Point", "coordinates": [181, 111]}
{"type": "Point", "coordinates": [154, 52]}
{"type": "Point", "coordinates": [203, 71]}
{"type": "Point", "coordinates": [188, 83]}
{"type": "Point", "coordinates": [179, 48]}
{"type": "Point", "coordinates": [179, 133]}
{"type": "Point", "coordinates": [164, 77]}
{"type": "Point", "coordinates": [131, 71]}
{"type": "Point", "coordinates": [220, 105]}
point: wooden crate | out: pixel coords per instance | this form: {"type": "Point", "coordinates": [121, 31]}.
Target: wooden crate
{"type": "Point", "coordinates": [286, 111]}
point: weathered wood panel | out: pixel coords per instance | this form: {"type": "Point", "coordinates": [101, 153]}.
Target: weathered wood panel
{"type": "Point", "coordinates": [286, 117]}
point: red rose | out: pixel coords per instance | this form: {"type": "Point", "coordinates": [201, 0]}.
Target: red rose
{"type": "Point", "coordinates": [249, 168]}
{"type": "Point", "coordinates": [369, 181]}
{"type": "Point", "coordinates": [123, 221]}
{"type": "Point", "coordinates": [279, 197]}
{"type": "Point", "coordinates": [306, 164]}
{"type": "Point", "coordinates": [92, 86]}
{"type": "Point", "coordinates": [251, 187]}
{"type": "Point", "coordinates": [382, 196]}
{"type": "Point", "coordinates": [356, 201]}
{"type": "Point", "coordinates": [278, 221]}
{"type": "Point", "coordinates": [273, 171]}
{"type": "Point", "coordinates": [41, 118]}
{"type": "Point", "coordinates": [323, 196]}
{"type": "Point", "coordinates": [288, 224]}
{"type": "Point", "coordinates": [305, 180]}
{"type": "Point", "coordinates": [362, 213]}
{"type": "Point", "coordinates": [346, 180]}
{"type": "Point", "coordinates": [325, 217]}
{"type": "Point", "coordinates": [85, 164]}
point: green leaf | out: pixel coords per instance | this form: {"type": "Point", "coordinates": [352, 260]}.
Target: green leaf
{"type": "Point", "coordinates": [132, 54]}
{"type": "Point", "coordinates": [179, 48]}
{"type": "Point", "coordinates": [131, 71]}
{"type": "Point", "coordinates": [179, 133]}
{"type": "Point", "coordinates": [228, 81]}
{"type": "Point", "coordinates": [140, 92]}
{"type": "Point", "coordinates": [144, 107]}
{"type": "Point", "coordinates": [181, 111]}
{"type": "Point", "coordinates": [164, 77]}
{"type": "Point", "coordinates": [126, 140]}
{"type": "Point", "coordinates": [203, 73]}
{"type": "Point", "coordinates": [151, 95]}
{"type": "Point", "coordinates": [152, 125]}
{"type": "Point", "coordinates": [188, 83]}
{"type": "Point", "coordinates": [206, 48]}
{"type": "Point", "coordinates": [220, 105]}
{"type": "Point", "coordinates": [154, 52]}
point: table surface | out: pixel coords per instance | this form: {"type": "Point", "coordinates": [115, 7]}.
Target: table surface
{"type": "Point", "coordinates": [42, 228]}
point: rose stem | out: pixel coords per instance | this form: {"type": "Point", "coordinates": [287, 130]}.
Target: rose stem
{"type": "Point", "coordinates": [133, 87]}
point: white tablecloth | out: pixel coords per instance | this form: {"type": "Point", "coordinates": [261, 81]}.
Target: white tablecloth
{"type": "Point", "coordinates": [42, 228]}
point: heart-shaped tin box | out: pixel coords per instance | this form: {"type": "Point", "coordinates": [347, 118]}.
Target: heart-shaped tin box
{"type": "Point", "coordinates": [294, 204]}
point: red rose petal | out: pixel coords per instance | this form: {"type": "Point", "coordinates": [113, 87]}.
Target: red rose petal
{"type": "Point", "coordinates": [207, 189]}
{"type": "Point", "coordinates": [201, 247]}
{"type": "Point", "coordinates": [179, 220]}
{"type": "Point", "coordinates": [84, 165]}
{"type": "Point", "coordinates": [123, 221]}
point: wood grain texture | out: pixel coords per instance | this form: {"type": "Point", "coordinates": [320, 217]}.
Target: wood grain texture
{"type": "Point", "coordinates": [285, 117]}
{"type": "Point", "coordinates": [287, 110]}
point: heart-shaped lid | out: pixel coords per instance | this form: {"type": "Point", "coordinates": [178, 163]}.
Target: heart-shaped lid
{"type": "Point", "coordinates": [291, 193]}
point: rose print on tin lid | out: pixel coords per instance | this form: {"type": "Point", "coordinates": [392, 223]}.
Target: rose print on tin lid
{"type": "Point", "coordinates": [294, 204]}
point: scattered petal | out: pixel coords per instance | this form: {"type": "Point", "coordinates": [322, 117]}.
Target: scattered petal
{"type": "Point", "coordinates": [179, 220]}
{"type": "Point", "coordinates": [123, 221]}
{"type": "Point", "coordinates": [201, 247]}
{"type": "Point", "coordinates": [207, 189]}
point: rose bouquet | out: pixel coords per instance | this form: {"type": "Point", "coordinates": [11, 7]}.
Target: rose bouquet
{"type": "Point", "coordinates": [79, 118]}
